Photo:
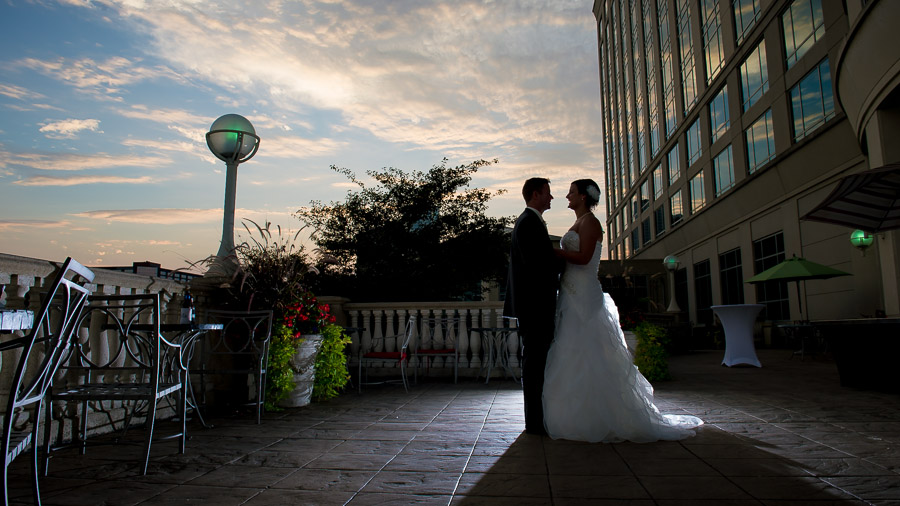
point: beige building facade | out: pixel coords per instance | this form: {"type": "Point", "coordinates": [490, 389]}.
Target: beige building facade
{"type": "Point", "coordinates": [725, 121]}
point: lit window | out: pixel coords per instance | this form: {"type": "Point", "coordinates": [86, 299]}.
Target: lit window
{"type": "Point", "coordinates": [718, 114]}
{"type": "Point", "coordinates": [723, 171]}
{"type": "Point", "coordinates": [803, 25]}
{"type": "Point", "coordinates": [694, 146]}
{"type": "Point", "coordinates": [746, 12]}
{"type": "Point", "coordinates": [754, 76]}
{"type": "Point", "coordinates": [713, 49]}
{"type": "Point", "coordinates": [812, 101]}
{"type": "Point", "coordinates": [674, 163]}
{"type": "Point", "coordinates": [698, 193]}
{"type": "Point", "coordinates": [645, 195]}
{"type": "Point", "coordinates": [676, 209]}
{"type": "Point", "coordinates": [760, 142]}
{"type": "Point", "coordinates": [657, 182]}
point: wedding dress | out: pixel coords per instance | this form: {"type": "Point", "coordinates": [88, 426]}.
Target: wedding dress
{"type": "Point", "coordinates": [592, 390]}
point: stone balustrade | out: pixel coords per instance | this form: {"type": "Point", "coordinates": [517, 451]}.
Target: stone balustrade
{"type": "Point", "coordinates": [22, 279]}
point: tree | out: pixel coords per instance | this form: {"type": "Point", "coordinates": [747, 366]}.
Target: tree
{"type": "Point", "coordinates": [414, 236]}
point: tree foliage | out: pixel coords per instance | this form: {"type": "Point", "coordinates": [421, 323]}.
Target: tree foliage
{"type": "Point", "coordinates": [413, 236]}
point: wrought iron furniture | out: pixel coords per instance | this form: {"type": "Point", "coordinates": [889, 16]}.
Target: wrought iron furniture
{"type": "Point", "coordinates": [139, 369]}
{"type": "Point", "coordinates": [400, 356]}
{"type": "Point", "coordinates": [438, 338]}
{"type": "Point", "coordinates": [41, 352]}
{"type": "Point", "coordinates": [241, 348]}
{"type": "Point", "coordinates": [495, 340]}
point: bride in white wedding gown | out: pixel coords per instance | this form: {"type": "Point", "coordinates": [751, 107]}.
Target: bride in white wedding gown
{"type": "Point", "coordinates": [592, 390]}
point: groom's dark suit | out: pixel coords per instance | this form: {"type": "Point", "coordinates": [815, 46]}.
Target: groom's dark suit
{"type": "Point", "coordinates": [531, 297]}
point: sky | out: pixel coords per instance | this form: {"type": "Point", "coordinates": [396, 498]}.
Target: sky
{"type": "Point", "coordinates": [104, 107]}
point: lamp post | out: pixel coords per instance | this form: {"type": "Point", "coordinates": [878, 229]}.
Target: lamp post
{"type": "Point", "coordinates": [861, 240]}
{"type": "Point", "coordinates": [234, 141]}
{"type": "Point", "coordinates": [671, 264]}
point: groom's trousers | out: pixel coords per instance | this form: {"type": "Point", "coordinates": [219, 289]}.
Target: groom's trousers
{"type": "Point", "coordinates": [536, 341]}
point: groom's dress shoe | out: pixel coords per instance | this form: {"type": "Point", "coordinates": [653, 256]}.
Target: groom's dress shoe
{"type": "Point", "coordinates": [537, 432]}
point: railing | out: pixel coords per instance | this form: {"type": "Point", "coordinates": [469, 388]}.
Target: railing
{"type": "Point", "coordinates": [385, 319]}
{"type": "Point", "coordinates": [22, 279]}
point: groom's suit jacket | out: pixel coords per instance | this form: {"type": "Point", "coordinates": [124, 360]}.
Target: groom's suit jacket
{"type": "Point", "coordinates": [533, 274]}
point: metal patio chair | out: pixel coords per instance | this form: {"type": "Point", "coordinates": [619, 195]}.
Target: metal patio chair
{"type": "Point", "coordinates": [141, 369]}
{"type": "Point", "coordinates": [42, 351]}
{"type": "Point", "coordinates": [438, 338]}
{"type": "Point", "coordinates": [399, 357]}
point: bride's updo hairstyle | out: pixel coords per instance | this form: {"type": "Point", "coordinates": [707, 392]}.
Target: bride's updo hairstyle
{"type": "Point", "coordinates": [590, 190]}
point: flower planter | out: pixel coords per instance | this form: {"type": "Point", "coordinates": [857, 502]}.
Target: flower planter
{"type": "Point", "coordinates": [303, 364]}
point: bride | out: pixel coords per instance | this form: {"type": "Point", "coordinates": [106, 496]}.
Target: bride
{"type": "Point", "coordinates": [592, 390]}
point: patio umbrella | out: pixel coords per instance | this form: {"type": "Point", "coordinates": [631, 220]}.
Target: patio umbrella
{"type": "Point", "coordinates": [868, 200]}
{"type": "Point", "coordinates": [797, 269]}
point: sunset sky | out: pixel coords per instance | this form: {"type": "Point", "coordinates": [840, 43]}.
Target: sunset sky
{"type": "Point", "coordinates": [104, 105]}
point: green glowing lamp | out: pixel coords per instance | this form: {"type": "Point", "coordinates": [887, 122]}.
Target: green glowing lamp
{"type": "Point", "coordinates": [861, 239]}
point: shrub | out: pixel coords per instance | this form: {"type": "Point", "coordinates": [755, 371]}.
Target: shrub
{"type": "Point", "coordinates": [651, 357]}
{"type": "Point", "coordinates": [279, 375]}
{"type": "Point", "coordinates": [331, 363]}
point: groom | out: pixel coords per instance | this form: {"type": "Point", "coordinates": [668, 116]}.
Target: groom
{"type": "Point", "coordinates": [531, 295]}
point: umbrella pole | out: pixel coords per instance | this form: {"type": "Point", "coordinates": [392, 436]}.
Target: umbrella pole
{"type": "Point", "coordinates": [799, 301]}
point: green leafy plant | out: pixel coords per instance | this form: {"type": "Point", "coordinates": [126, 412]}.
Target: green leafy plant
{"type": "Point", "coordinates": [331, 363]}
{"type": "Point", "coordinates": [651, 357]}
{"type": "Point", "coordinates": [279, 375]}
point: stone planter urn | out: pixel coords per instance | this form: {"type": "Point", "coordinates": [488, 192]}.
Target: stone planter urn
{"type": "Point", "coordinates": [631, 341]}
{"type": "Point", "coordinates": [304, 365]}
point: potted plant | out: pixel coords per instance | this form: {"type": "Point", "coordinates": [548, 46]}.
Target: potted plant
{"type": "Point", "coordinates": [651, 357]}
{"type": "Point", "coordinates": [305, 319]}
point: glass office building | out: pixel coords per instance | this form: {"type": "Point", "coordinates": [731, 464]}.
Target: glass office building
{"type": "Point", "coordinates": [725, 121]}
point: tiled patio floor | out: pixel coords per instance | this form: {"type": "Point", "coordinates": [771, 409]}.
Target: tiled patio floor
{"type": "Point", "coordinates": [783, 434]}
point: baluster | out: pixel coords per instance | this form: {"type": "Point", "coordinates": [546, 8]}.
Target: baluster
{"type": "Point", "coordinates": [366, 341]}
{"type": "Point", "coordinates": [356, 321]}
{"type": "Point", "coordinates": [462, 339]}
{"type": "Point", "coordinates": [378, 337]}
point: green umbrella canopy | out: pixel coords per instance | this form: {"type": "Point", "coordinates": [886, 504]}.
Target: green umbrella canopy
{"type": "Point", "coordinates": [797, 269]}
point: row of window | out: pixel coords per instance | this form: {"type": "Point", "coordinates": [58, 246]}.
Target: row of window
{"type": "Point", "coordinates": [767, 252]}
{"type": "Point", "coordinates": [812, 104]}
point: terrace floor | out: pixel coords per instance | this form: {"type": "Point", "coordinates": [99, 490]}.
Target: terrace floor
{"type": "Point", "coordinates": [787, 433]}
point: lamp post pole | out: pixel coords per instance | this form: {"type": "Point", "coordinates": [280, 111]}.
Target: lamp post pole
{"type": "Point", "coordinates": [234, 141]}
{"type": "Point", "coordinates": [671, 264]}
{"type": "Point", "coordinates": [226, 246]}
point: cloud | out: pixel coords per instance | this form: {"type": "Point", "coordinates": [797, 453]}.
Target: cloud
{"type": "Point", "coordinates": [103, 79]}
{"type": "Point", "coordinates": [10, 225]}
{"type": "Point", "coordinates": [154, 216]}
{"type": "Point", "coordinates": [81, 180]}
{"type": "Point", "coordinates": [78, 162]}
{"type": "Point", "coordinates": [19, 93]}
{"type": "Point", "coordinates": [298, 147]}
{"type": "Point", "coordinates": [467, 76]}
{"type": "Point", "coordinates": [67, 128]}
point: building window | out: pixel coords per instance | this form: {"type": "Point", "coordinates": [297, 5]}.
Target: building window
{"type": "Point", "coordinates": [674, 163]}
{"type": "Point", "coordinates": [694, 145]}
{"type": "Point", "coordinates": [760, 142]}
{"type": "Point", "coordinates": [613, 229]}
{"type": "Point", "coordinates": [803, 25]}
{"type": "Point", "coordinates": [754, 76]}
{"type": "Point", "coordinates": [676, 209]}
{"type": "Point", "coordinates": [713, 49]}
{"type": "Point", "coordinates": [698, 193]}
{"type": "Point", "coordinates": [718, 115]}
{"type": "Point", "coordinates": [645, 231]}
{"type": "Point", "coordinates": [746, 12]}
{"type": "Point", "coordinates": [812, 101]}
{"type": "Point", "coordinates": [703, 291]}
{"type": "Point", "coordinates": [645, 195]}
{"type": "Point", "coordinates": [686, 47]}
{"type": "Point", "coordinates": [666, 68]}
{"type": "Point", "coordinates": [635, 210]}
{"type": "Point", "coordinates": [635, 240]}
{"type": "Point", "coordinates": [622, 220]}
{"type": "Point", "coordinates": [723, 171]}
{"type": "Point", "coordinates": [732, 277]}
{"type": "Point", "coordinates": [767, 253]}
{"type": "Point", "coordinates": [659, 219]}
{"type": "Point", "coordinates": [658, 187]}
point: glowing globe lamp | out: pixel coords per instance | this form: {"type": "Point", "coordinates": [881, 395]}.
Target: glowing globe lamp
{"type": "Point", "coordinates": [861, 239]}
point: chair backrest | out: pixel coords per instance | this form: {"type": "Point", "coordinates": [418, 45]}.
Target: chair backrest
{"type": "Point", "coordinates": [407, 334]}
{"type": "Point", "coordinates": [47, 343]}
{"type": "Point", "coordinates": [124, 337]}
{"type": "Point", "coordinates": [244, 332]}
{"type": "Point", "coordinates": [441, 333]}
